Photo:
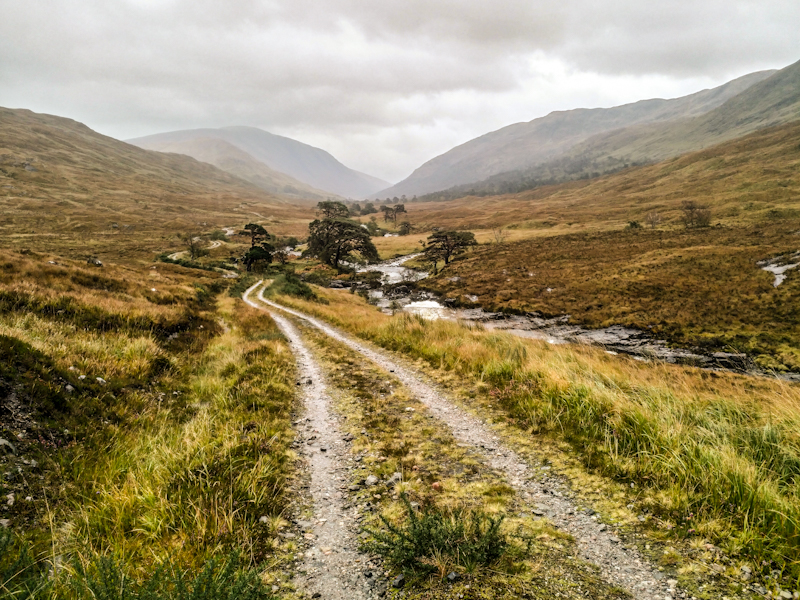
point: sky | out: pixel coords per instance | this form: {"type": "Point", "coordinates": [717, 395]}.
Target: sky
{"type": "Point", "coordinates": [384, 85]}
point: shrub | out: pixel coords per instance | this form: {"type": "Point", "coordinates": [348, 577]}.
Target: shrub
{"type": "Point", "coordinates": [468, 537]}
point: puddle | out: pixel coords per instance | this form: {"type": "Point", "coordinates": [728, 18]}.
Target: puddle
{"type": "Point", "coordinates": [779, 265]}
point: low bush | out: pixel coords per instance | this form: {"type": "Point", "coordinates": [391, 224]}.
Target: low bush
{"type": "Point", "coordinates": [469, 538]}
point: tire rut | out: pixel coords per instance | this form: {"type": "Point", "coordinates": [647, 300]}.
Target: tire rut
{"type": "Point", "coordinates": [330, 565]}
{"type": "Point", "coordinates": [621, 565]}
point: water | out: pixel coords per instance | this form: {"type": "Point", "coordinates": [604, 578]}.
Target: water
{"type": "Point", "coordinates": [394, 271]}
{"type": "Point", "coordinates": [778, 266]}
{"type": "Point", "coordinates": [638, 344]}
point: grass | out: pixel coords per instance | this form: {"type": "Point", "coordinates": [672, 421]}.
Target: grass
{"type": "Point", "coordinates": [714, 455]}
{"type": "Point", "coordinates": [466, 539]}
{"type": "Point", "coordinates": [152, 422]}
{"type": "Point", "coordinates": [692, 287]}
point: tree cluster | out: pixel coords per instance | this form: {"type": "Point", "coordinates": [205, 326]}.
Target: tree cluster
{"type": "Point", "coordinates": [335, 238]}
{"type": "Point", "coordinates": [695, 215]}
{"type": "Point", "coordinates": [261, 250]}
{"type": "Point", "coordinates": [390, 212]}
{"type": "Point", "coordinates": [445, 245]}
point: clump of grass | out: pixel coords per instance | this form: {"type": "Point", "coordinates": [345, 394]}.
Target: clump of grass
{"type": "Point", "coordinates": [21, 577]}
{"type": "Point", "coordinates": [106, 579]}
{"type": "Point", "coordinates": [290, 284]}
{"type": "Point", "coordinates": [468, 538]}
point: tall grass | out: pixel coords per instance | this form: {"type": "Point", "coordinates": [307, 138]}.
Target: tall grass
{"type": "Point", "coordinates": [720, 452]}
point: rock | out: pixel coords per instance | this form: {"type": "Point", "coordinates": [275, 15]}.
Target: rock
{"type": "Point", "coordinates": [371, 480]}
{"type": "Point", "coordinates": [354, 488]}
{"type": "Point", "coordinates": [305, 524]}
{"type": "Point", "coordinates": [394, 479]}
{"type": "Point", "coordinates": [10, 500]}
{"type": "Point", "coordinates": [785, 594]}
{"type": "Point", "coordinates": [436, 486]}
{"type": "Point", "coordinates": [101, 381]}
{"type": "Point", "coordinates": [7, 446]}
{"type": "Point", "coordinates": [453, 576]}
{"type": "Point", "coordinates": [69, 389]}
{"type": "Point", "coordinates": [263, 519]}
{"type": "Point", "coordinates": [399, 581]}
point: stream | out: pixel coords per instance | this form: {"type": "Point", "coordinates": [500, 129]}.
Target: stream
{"type": "Point", "coordinates": [616, 339]}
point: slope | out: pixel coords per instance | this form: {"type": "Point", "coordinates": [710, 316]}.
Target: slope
{"type": "Point", "coordinates": [523, 145]}
{"type": "Point", "coordinates": [231, 159]}
{"type": "Point", "coordinates": [578, 249]}
{"type": "Point", "coordinates": [64, 185]}
{"type": "Point", "coordinates": [311, 165]}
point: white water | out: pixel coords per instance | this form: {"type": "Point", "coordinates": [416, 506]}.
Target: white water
{"type": "Point", "coordinates": [777, 267]}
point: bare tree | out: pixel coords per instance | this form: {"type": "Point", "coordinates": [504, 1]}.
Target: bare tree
{"type": "Point", "coordinates": [695, 215]}
{"type": "Point", "coordinates": [500, 234]}
{"type": "Point", "coordinates": [653, 219]}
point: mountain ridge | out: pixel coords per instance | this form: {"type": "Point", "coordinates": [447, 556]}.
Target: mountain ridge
{"type": "Point", "coordinates": [312, 166]}
{"type": "Point", "coordinates": [524, 145]}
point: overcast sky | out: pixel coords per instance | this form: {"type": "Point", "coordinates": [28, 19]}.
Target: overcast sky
{"type": "Point", "coordinates": [383, 85]}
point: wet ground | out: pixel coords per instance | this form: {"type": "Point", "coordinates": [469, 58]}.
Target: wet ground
{"type": "Point", "coordinates": [395, 296]}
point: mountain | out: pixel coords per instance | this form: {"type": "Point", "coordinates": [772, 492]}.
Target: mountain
{"type": "Point", "coordinates": [59, 178]}
{"type": "Point", "coordinates": [312, 166]}
{"type": "Point", "coordinates": [524, 145]}
{"type": "Point", "coordinates": [228, 157]}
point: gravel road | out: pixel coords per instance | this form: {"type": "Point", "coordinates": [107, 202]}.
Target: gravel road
{"type": "Point", "coordinates": [331, 564]}
{"type": "Point", "coordinates": [597, 543]}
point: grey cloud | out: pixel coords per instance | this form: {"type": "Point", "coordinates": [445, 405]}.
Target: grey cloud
{"type": "Point", "coordinates": [406, 77]}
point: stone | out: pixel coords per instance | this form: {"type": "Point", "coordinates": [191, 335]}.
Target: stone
{"type": "Point", "coordinates": [436, 486]}
{"type": "Point", "coordinates": [263, 519]}
{"type": "Point", "coordinates": [100, 380]}
{"type": "Point", "coordinates": [453, 576]}
{"type": "Point", "coordinates": [394, 479]}
{"type": "Point", "coordinates": [7, 446]}
{"type": "Point", "coordinates": [69, 389]}
{"type": "Point", "coordinates": [371, 480]}
{"type": "Point", "coordinates": [399, 581]}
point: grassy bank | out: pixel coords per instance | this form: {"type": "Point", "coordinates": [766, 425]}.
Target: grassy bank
{"type": "Point", "coordinates": [714, 456]}
{"type": "Point", "coordinates": [151, 425]}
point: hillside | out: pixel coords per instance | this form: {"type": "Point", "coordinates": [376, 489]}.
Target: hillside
{"type": "Point", "coordinates": [573, 251]}
{"type": "Point", "coordinates": [523, 145]}
{"type": "Point", "coordinates": [231, 159]}
{"type": "Point", "coordinates": [62, 184]}
{"type": "Point", "coordinates": [313, 166]}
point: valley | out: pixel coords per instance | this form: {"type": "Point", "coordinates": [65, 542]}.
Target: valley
{"type": "Point", "coordinates": [222, 378]}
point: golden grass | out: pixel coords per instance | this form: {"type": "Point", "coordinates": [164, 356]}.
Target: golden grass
{"type": "Point", "coordinates": [723, 447]}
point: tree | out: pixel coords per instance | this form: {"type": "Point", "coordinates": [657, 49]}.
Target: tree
{"type": "Point", "coordinates": [653, 219]}
{"type": "Point", "coordinates": [398, 209]}
{"type": "Point", "coordinates": [258, 254]}
{"type": "Point", "coordinates": [405, 228]}
{"type": "Point", "coordinates": [388, 212]}
{"type": "Point", "coordinates": [330, 209]}
{"type": "Point", "coordinates": [256, 232]}
{"type": "Point", "coordinates": [444, 245]}
{"type": "Point", "coordinates": [695, 215]}
{"type": "Point", "coordinates": [336, 240]}
{"type": "Point", "coordinates": [194, 245]}
{"type": "Point", "coordinates": [368, 209]}
{"type": "Point", "coordinates": [500, 234]}
{"type": "Point", "coordinates": [355, 210]}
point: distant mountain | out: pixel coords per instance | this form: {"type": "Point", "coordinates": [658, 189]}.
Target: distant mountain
{"type": "Point", "coordinates": [59, 176]}
{"type": "Point", "coordinates": [228, 157]}
{"type": "Point", "coordinates": [772, 101]}
{"type": "Point", "coordinates": [312, 166]}
{"type": "Point", "coordinates": [525, 145]}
